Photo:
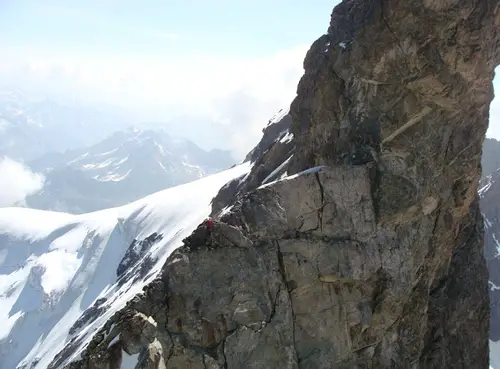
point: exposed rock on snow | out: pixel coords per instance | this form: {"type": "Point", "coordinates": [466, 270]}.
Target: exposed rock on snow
{"type": "Point", "coordinates": [136, 250]}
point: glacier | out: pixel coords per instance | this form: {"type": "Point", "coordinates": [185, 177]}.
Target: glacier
{"type": "Point", "coordinates": [54, 267]}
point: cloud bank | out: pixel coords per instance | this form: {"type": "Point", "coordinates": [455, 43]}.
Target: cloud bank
{"type": "Point", "coordinates": [234, 95]}
{"type": "Point", "coordinates": [17, 182]}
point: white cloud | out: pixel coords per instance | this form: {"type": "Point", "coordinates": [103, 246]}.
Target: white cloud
{"type": "Point", "coordinates": [237, 94]}
{"type": "Point", "coordinates": [17, 182]}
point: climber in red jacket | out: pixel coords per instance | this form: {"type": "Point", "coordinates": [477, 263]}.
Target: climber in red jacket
{"type": "Point", "coordinates": [208, 225]}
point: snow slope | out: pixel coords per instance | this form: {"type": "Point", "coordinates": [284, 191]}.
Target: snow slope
{"type": "Point", "coordinates": [55, 266]}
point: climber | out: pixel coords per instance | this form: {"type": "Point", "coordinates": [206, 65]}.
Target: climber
{"type": "Point", "coordinates": [208, 225]}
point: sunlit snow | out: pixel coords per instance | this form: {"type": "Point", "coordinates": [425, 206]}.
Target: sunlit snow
{"type": "Point", "coordinates": [121, 161]}
{"type": "Point", "coordinates": [286, 178]}
{"type": "Point", "coordinates": [58, 268]}
{"type": "Point", "coordinates": [277, 170]}
{"type": "Point", "coordinates": [107, 152]}
{"type": "Point", "coordinates": [101, 165]}
{"type": "Point", "coordinates": [278, 116]}
{"type": "Point", "coordinates": [287, 137]}
{"type": "Point", "coordinates": [113, 177]}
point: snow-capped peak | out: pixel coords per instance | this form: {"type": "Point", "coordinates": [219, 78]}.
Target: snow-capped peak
{"type": "Point", "coordinates": [124, 167]}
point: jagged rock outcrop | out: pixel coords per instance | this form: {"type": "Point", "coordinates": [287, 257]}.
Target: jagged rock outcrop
{"type": "Point", "coordinates": [374, 259]}
{"type": "Point", "coordinates": [270, 160]}
{"type": "Point", "coordinates": [276, 129]}
{"type": "Point", "coordinates": [135, 254]}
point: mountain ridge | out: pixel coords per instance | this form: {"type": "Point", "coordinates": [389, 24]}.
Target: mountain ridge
{"type": "Point", "coordinates": [122, 168]}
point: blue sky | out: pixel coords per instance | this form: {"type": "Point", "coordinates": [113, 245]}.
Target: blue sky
{"type": "Point", "coordinates": [228, 62]}
{"type": "Point", "coordinates": [243, 28]}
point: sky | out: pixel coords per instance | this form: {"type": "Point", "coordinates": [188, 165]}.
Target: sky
{"type": "Point", "coordinates": [227, 65]}
{"type": "Point", "coordinates": [230, 63]}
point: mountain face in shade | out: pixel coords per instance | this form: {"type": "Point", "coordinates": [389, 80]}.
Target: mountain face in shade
{"type": "Point", "coordinates": [489, 192]}
{"type": "Point", "coordinates": [124, 167]}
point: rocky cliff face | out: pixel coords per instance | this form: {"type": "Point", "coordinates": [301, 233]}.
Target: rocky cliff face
{"type": "Point", "coordinates": [372, 256]}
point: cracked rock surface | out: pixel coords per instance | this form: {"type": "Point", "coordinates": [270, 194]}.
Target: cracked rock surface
{"type": "Point", "coordinates": [373, 260]}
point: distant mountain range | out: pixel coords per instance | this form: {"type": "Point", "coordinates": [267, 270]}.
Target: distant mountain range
{"type": "Point", "coordinates": [90, 159]}
{"type": "Point", "coordinates": [124, 167]}
{"type": "Point", "coordinates": [32, 126]}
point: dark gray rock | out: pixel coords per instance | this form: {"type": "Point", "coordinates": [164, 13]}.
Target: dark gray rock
{"type": "Point", "coordinates": [134, 253]}
{"type": "Point", "coordinates": [89, 315]}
